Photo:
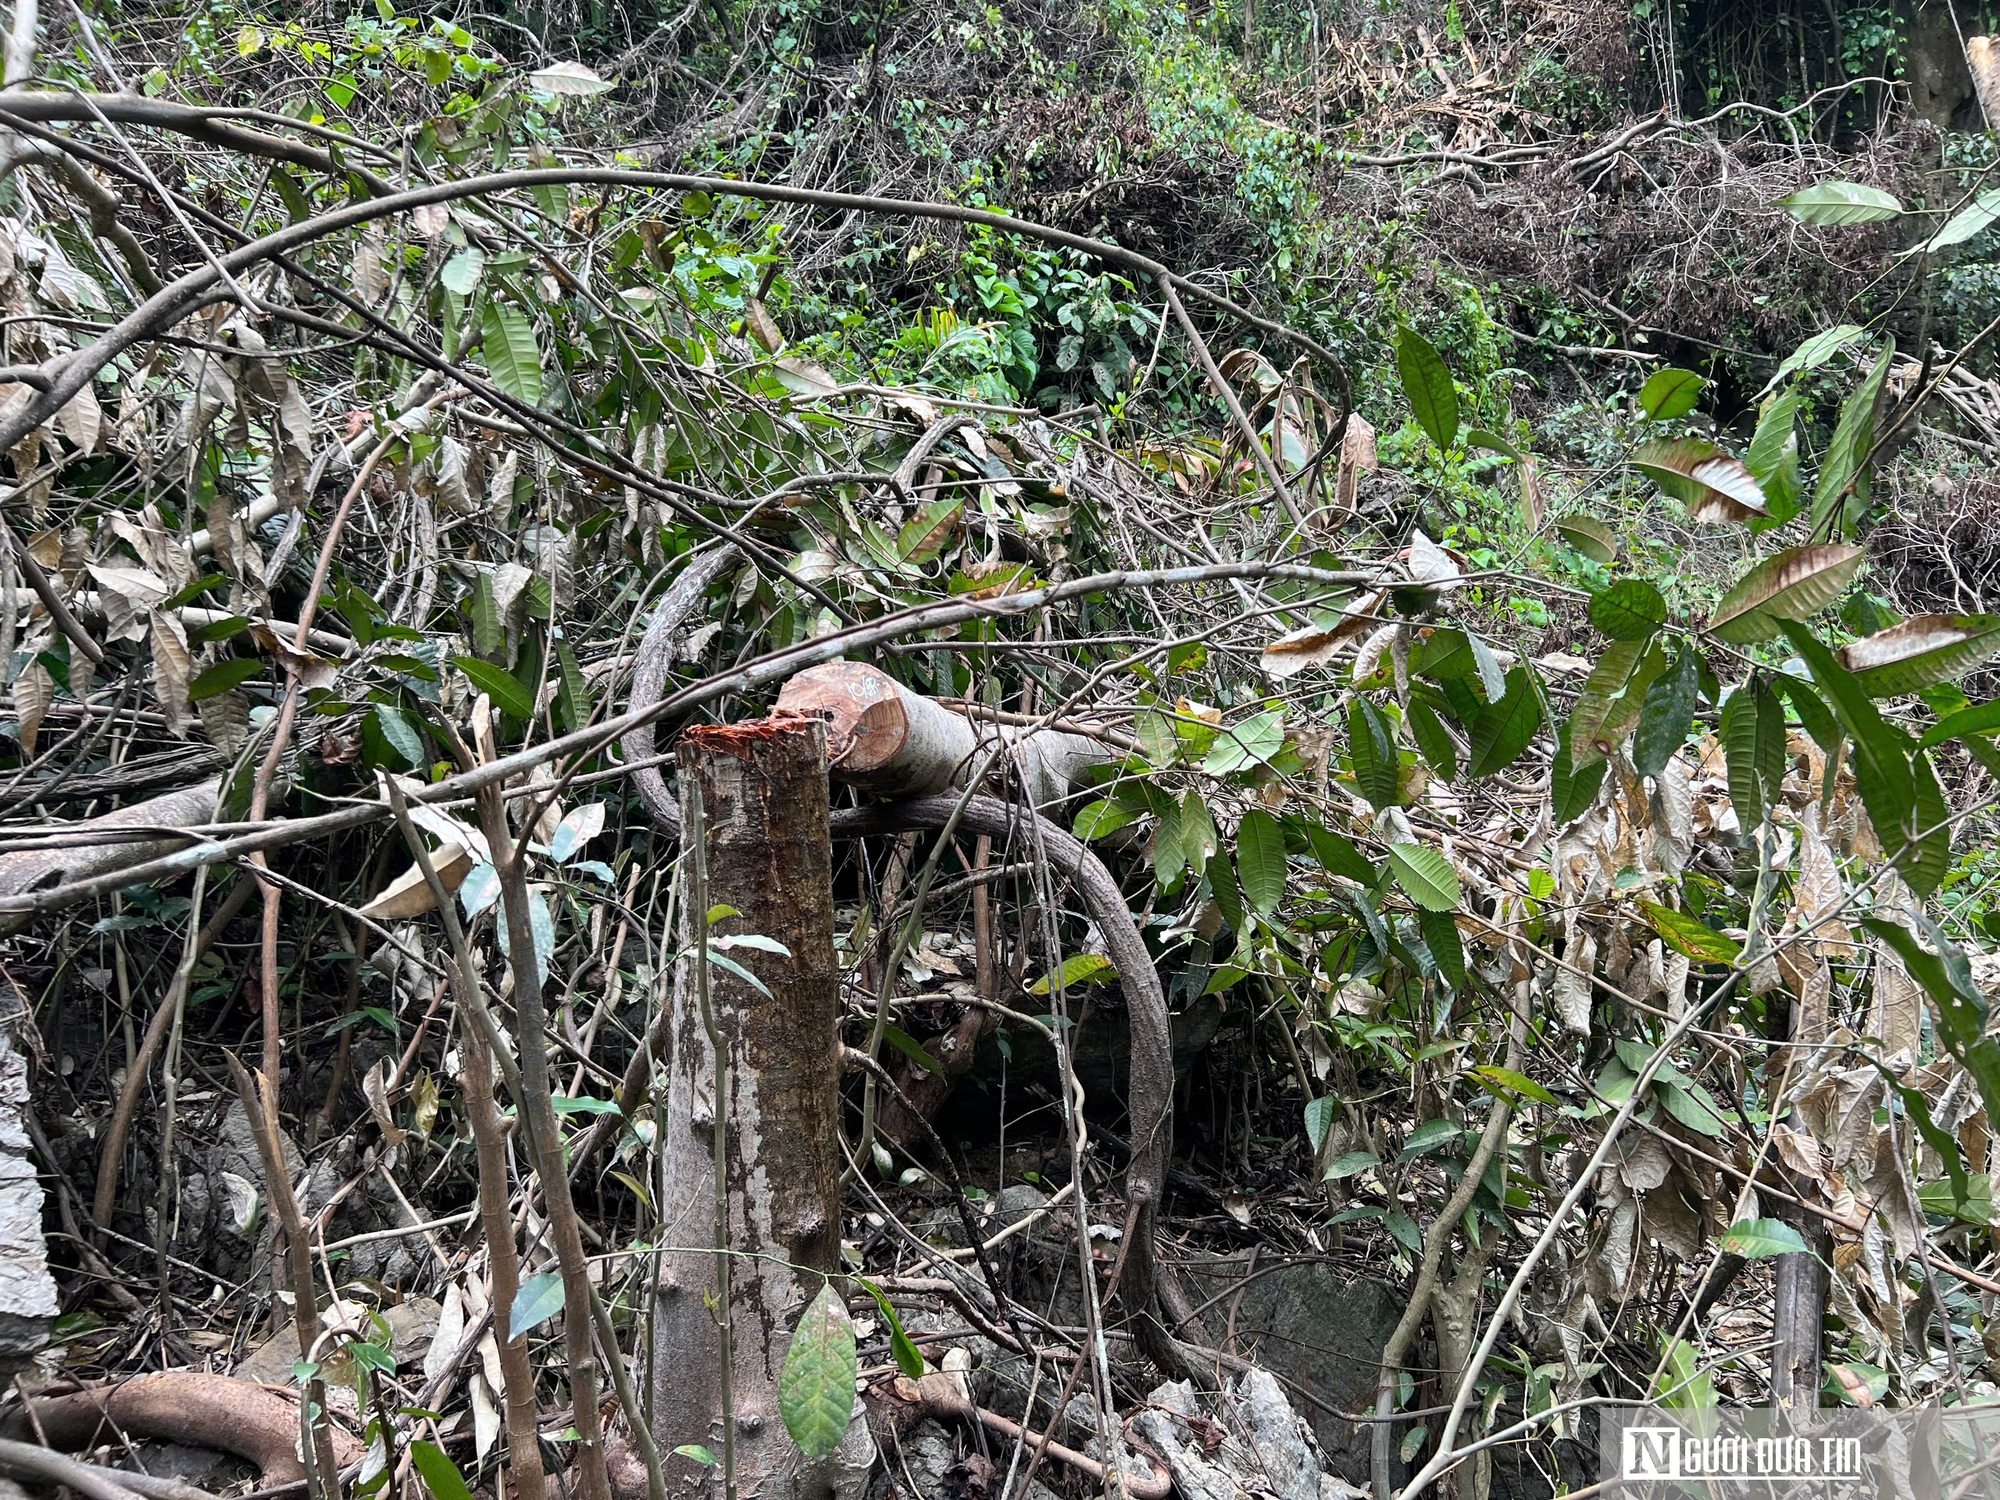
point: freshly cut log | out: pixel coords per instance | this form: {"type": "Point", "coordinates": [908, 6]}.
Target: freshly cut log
{"type": "Point", "coordinates": [885, 739]}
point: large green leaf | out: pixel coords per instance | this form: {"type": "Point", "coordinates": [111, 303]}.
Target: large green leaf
{"type": "Point", "coordinates": [1425, 876]}
{"type": "Point", "coordinates": [513, 357]}
{"type": "Point", "coordinates": [1970, 220]}
{"type": "Point", "coordinates": [1670, 393]}
{"type": "Point", "coordinates": [1967, 722]}
{"type": "Point", "coordinates": [816, 1386]}
{"type": "Point", "coordinates": [1630, 610]}
{"type": "Point", "coordinates": [1841, 496]}
{"type": "Point", "coordinates": [1836, 203]}
{"type": "Point", "coordinates": [440, 1474]}
{"type": "Point", "coordinates": [1572, 788]}
{"type": "Point", "coordinates": [1506, 728]}
{"type": "Point", "coordinates": [1685, 934]}
{"type": "Point", "coordinates": [1881, 751]}
{"type": "Point", "coordinates": [1372, 745]}
{"type": "Point", "coordinates": [1440, 929]}
{"type": "Point", "coordinates": [1921, 652]}
{"type": "Point", "coordinates": [507, 694]}
{"type": "Point", "coordinates": [1928, 859]}
{"type": "Point", "coordinates": [1666, 713]}
{"type": "Point", "coordinates": [1338, 856]}
{"type": "Point", "coordinates": [1773, 455]}
{"type": "Point", "coordinates": [1260, 860]}
{"type": "Point", "coordinates": [1795, 584]}
{"type": "Point", "coordinates": [1758, 1239]}
{"type": "Point", "coordinates": [1427, 385]}
{"type": "Point", "coordinates": [1612, 698]}
{"type": "Point", "coordinates": [1433, 739]}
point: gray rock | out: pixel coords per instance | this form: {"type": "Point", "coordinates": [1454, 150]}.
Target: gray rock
{"type": "Point", "coordinates": [1319, 1327]}
{"type": "Point", "coordinates": [1244, 1441]}
{"type": "Point", "coordinates": [28, 1304]}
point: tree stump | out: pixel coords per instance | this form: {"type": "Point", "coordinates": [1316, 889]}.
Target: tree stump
{"type": "Point", "coordinates": [763, 810]}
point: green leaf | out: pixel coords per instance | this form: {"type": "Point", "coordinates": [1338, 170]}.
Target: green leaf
{"type": "Point", "coordinates": [1612, 698]}
{"type": "Point", "coordinates": [1693, 1106]}
{"type": "Point", "coordinates": [1670, 393]}
{"type": "Point", "coordinates": [489, 631]}
{"type": "Point", "coordinates": [1514, 1083]}
{"type": "Point", "coordinates": [1250, 743]}
{"type": "Point", "coordinates": [1921, 652]}
{"type": "Point", "coordinates": [1966, 723]}
{"type": "Point", "coordinates": [1815, 352]}
{"type": "Point", "coordinates": [1440, 930]}
{"type": "Point", "coordinates": [908, 1360]}
{"type": "Point", "coordinates": [1881, 752]}
{"type": "Point", "coordinates": [1428, 386]}
{"type": "Point", "coordinates": [1099, 819]}
{"type": "Point", "coordinates": [1970, 220]}
{"type": "Point", "coordinates": [911, 1048]}
{"type": "Point", "coordinates": [539, 1299]}
{"type": "Point", "coordinates": [1753, 740]}
{"type": "Point", "coordinates": [1630, 610]}
{"type": "Point", "coordinates": [1197, 832]}
{"type": "Point", "coordinates": [1975, 1205]}
{"type": "Point", "coordinates": [1338, 856]}
{"type": "Point", "coordinates": [1930, 859]}
{"type": "Point", "coordinates": [223, 676]}
{"type": "Point", "coordinates": [1836, 203]}
{"type": "Point", "coordinates": [1773, 455]}
{"type": "Point", "coordinates": [513, 357]}
{"type": "Point", "coordinates": [1682, 1384]}
{"type": "Point", "coordinates": [1425, 876]}
{"type": "Point", "coordinates": [1260, 860]}
{"type": "Point", "coordinates": [816, 1386]}
{"type": "Point", "coordinates": [1666, 713]}
{"type": "Point", "coordinates": [699, 1454]}
{"type": "Point", "coordinates": [1572, 791]}
{"type": "Point", "coordinates": [401, 738]}
{"type": "Point", "coordinates": [1433, 739]}
{"type": "Point", "coordinates": [507, 694]}
{"type": "Point", "coordinates": [1504, 729]}
{"type": "Point", "coordinates": [1429, 1137]}
{"type": "Point", "coordinates": [1841, 496]}
{"type": "Point", "coordinates": [1078, 968]}
{"type": "Point", "coordinates": [1320, 1115]}
{"type": "Point", "coordinates": [1589, 536]}
{"type": "Point", "coordinates": [1759, 1239]}
{"type": "Point", "coordinates": [1372, 744]}
{"type": "Point", "coordinates": [461, 272]}
{"type": "Point", "coordinates": [1222, 885]}
{"type": "Point", "coordinates": [1684, 934]}
{"type": "Point", "coordinates": [440, 1474]}
{"type": "Point", "coordinates": [1795, 584]}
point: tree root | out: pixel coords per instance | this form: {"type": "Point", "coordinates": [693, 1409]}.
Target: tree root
{"type": "Point", "coordinates": [202, 1411]}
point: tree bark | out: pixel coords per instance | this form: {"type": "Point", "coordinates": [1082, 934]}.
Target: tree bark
{"type": "Point", "coordinates": [763, 793]}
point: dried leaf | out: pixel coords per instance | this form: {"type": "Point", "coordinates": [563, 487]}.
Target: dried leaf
{"type": "Point", "coordinates": [1921, 652]}
{"type": "Point", "coordinates": [409, 894]}
{"type": "Point", "coordinates": [34, 690]}
{"type": "Point", "coordinates": [172, 669]}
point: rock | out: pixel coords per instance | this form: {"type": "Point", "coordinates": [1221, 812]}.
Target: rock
{"type": "Point", "coordinates": [28, 1304]}
{"type": "Point", "coordinates": [1248, 1442]}
{"type": "Point", "coordinates": [1321, 1328]}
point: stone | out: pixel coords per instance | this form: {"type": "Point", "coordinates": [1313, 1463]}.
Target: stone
{"type": "Point", "coordinates": [1316, 1325]}
{"type": "Point", "coordinates": [28, 1302]}
{"type": "Point", "coordinates": [1244, 1441]}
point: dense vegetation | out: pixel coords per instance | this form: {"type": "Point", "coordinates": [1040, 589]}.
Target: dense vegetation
{"type": "Point", "coordinates": [1500, 492]}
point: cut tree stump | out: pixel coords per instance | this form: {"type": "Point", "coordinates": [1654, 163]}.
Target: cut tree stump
{"type": "Point", "coordinates": [763, 793]}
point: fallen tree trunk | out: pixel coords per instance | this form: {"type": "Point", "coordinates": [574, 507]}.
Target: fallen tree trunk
{"type": "Point", "coordinates": [32, 869]}
{"type": "Point", "coordinates": [769, 1107]}
{"type": "Point", "coordinates": [885, 739]}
